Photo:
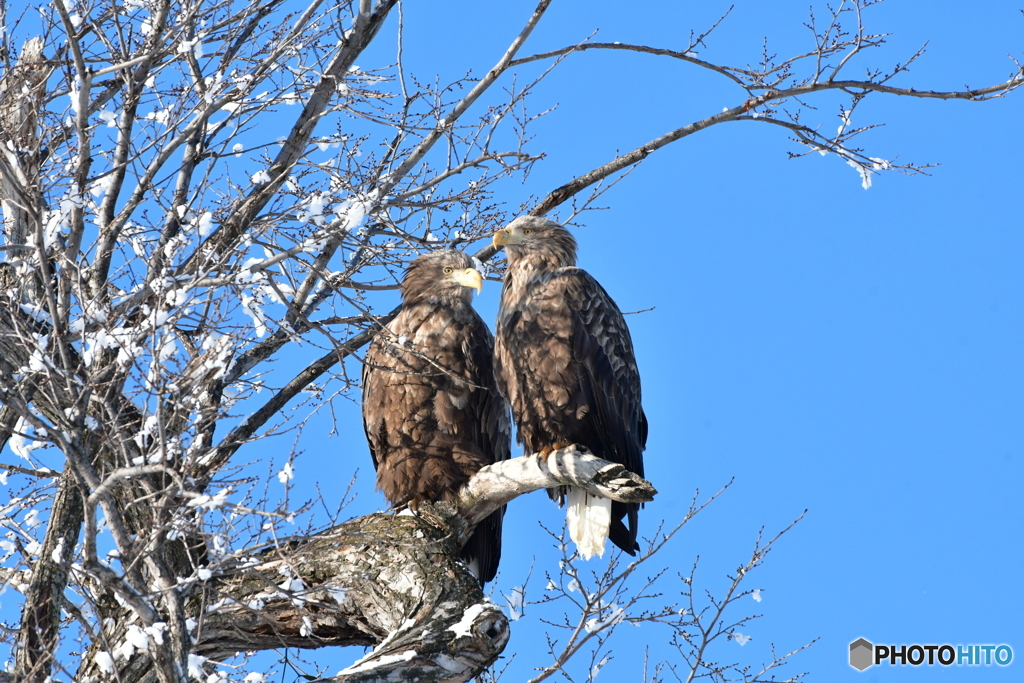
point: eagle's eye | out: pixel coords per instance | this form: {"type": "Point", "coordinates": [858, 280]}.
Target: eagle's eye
{"type": "Point", "coordinates": [527, 231]}
{"type": "Point", "coordinates": [448, 270]}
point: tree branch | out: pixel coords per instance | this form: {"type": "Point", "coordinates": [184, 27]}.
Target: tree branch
{"type": "Point", "coordinates": [497, 484]}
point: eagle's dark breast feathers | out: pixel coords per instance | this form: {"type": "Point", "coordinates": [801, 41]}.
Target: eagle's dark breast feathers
{"type": "Point", "coordinates": [432, 413]}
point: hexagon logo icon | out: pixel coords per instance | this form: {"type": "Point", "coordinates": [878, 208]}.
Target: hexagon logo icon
{"type": "Point", "coordinates": [860, 654]}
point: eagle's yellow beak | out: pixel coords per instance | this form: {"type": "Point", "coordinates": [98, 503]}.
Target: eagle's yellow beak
{"type": "Point", "coordinates": [470, 277]}
{"type": "Point", "coordinates": [503, 237]}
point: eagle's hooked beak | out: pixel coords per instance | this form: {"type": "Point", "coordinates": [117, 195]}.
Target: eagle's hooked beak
{"type": "Point", "coordinates": [470, 277]}
{"type": "Point", "coordinates": [503, 237]}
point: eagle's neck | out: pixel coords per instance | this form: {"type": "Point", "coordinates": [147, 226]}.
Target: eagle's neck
{"type": "Point", "coordinates": [526, 264]}
{"type": "Point", "coordinates": [532, 266]}
{"type": "Point", "coordinates": [522, 278]}
{"type": "Point", "coordinates": [432, 323]}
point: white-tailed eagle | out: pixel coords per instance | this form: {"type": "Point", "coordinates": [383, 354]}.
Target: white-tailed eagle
{"type": "Point", "coordinates": [431, 410]}
{"type": "Point", "coordinates": [564, 360]}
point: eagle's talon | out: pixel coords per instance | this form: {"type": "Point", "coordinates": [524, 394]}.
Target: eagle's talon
{"type": "Point", "coordinates": [548, 450]}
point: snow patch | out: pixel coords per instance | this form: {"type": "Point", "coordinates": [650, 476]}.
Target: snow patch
{"type": "Point", "coordinates": [104, 661]}
{"type": "Point", "coordinates": [213, 502]}
{"type": "Point", "coordinates": [614, 617]}
{"type": "Point", "coordinates": [195, 666]}
{"type": "Point", "coordinates": [205, 224]}
{"type": "Point", "coordinates": [351, 214]}
{"type": "Point", "coordinates": [865, 174]}
{"type": "Point", "coordinates": [465, 625]}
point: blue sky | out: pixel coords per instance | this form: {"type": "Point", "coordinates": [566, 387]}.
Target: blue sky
{"type": "Point", "coordinates": [855, 353]}
{"type": "Point", "coordinates": [852, 352]}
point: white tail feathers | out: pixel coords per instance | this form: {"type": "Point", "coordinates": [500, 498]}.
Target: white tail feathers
{"type": "Point", "coordinates": [474, 566]}
{"type": "Point", "coordinates": [588, 517]}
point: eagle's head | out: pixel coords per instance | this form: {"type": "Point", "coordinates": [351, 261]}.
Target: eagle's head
{"type": "Point", "coordinates": [446, 275]}
{"type": "Point", "coordinates": [540, 240]}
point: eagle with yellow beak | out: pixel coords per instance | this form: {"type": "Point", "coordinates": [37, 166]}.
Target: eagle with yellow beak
{"type": "Point", "coordinates": [431, 409]}
{"type": "Point", "coordinates": [564, 361]}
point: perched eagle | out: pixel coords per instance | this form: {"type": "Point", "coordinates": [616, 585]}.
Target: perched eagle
{"type": "Point", "coordinates": [432, 412]}
{"type": "Point", "coordinates": [564, 360]}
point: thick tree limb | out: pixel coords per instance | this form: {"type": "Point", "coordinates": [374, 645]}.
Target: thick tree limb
{"type": "Point", "coordinates": [394, 581]}
{"type": "Point", "coordinates": [21, 92]}
{"type": "Point", "coordinates": [40, 620]}
{"type": "Point", "coordinates": [497, 484]}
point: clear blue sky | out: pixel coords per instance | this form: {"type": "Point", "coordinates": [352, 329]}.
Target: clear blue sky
{"type": "Point", "coordinates": [857, 353]}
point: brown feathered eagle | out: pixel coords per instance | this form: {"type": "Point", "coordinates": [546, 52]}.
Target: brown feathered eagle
{"type": "Point", "coordinates": [431, 410]}
{"type": "Point", "coordinates": [564, 360]}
